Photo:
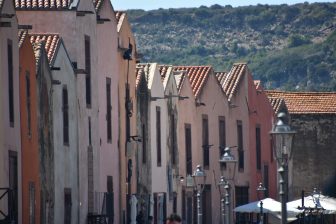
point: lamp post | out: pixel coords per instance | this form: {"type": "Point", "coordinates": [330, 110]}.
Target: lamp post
{"type": "Point", "coordinates": [227, 158]}
{"type": "Point", "coordinates": [282, 136]}
{"type": "Point", "coordinates": [199, 177]}
{"type": "Point", "coordinates": [221, 185]}
{"type": "Point", "coordinates": [261, 189]}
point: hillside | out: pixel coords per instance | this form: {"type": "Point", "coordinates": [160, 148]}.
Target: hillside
{"type": "Point", "coordinates": [288, 47]}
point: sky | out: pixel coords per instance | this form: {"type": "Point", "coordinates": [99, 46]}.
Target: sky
{"type": "Point", "coordinates": [155, 4]}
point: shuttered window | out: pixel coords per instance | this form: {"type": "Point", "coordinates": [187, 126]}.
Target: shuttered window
{"type": "Point", "coordinates": [205, 141]}
{"type": "Point", "coordinates": [158, 135]}
{"type": "Point", "coordinates": [65, 107]}
{"type": "Point", "coordinates": [88, 71]}
{"type": "Point", "coordinates": [10, 82]}
{"type": "Point", "coordinates": [108, 110]}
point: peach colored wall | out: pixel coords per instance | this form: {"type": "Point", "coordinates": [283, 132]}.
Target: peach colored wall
{"type": "Point", "coordinates": [170, 89]}
{"type": "Point", "coordinates": [216, 105]}
{"type": "Point", "coordinates": [29, 142]}
{"type": "Point", "coordinates": [108, 67]}
{"type": "Point", "coordinates": [126, 67]}
{"type": "Point", "coordinates": [159, 173]}
{"type": "Point", "coordinates": [10, 135]}
{"type": "Point", "coordinates": [73, 35]}
{"type": "Point", "coordinates": [186, 115]}
{"type": "Point", "coordinates": [65, 155]}
{"type": "Point", "coordinates": [263, 116]}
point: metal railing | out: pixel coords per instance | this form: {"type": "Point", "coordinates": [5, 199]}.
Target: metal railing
{"type": "Point", "coordinates": [102, 211]}
{"type": "Point", "coordinates": [7, 194]}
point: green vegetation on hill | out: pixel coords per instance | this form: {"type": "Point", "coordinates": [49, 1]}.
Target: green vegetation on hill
{"type": "Point", "coordinates": [288, 47]}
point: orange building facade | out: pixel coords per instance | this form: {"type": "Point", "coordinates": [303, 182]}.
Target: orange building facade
{"type": "Point", "coordinates": [29, 132]}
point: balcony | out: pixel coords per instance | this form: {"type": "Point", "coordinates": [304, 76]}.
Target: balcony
{"type": "Point", "coordinates": [101, 208]}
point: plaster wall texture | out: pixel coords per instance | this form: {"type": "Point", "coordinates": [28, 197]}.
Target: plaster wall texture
{"type": "Point", "coordinates": [170, 89]}
{"type": "Point", "coordinates": [73, 34]}
{"type": "Point", "coordinates": [65, 155]}
{"type": "Point", "coordinates": [186, 116]}
{"type": "Point", "coordinates": [313, 154]}
{"type": "Point", "coordinates": [108, 68]}
{"type": "Point", "coordinates": [239, 113]}
{"type": "Point", "coordinates": [158, 172]}
{"type": "Point", "coordinates": [10, 140]}
{"type": "Point", "coordinates": [29, 138]}
{"type": "Point", "coordinates": [126, 148]}
{"type": "Point", "coordinates": [216, 105]}
{"type": "Point", "coordinates": [261, 115]}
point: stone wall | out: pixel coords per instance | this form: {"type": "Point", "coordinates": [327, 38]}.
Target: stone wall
{"type": "Point", "coordinates": [314, 153]}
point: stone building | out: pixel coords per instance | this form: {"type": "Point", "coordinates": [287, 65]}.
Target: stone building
{"type": "Point", "coordinates": [127, 114]}
{"type": "Point", "coordinates": [29, 131]}
{"type": "Point", "coordinates": [10, 144]}
{"type": "Point", "coordinates": [154, 188]}
{"type": "Point", "coordinates": [313, 116]}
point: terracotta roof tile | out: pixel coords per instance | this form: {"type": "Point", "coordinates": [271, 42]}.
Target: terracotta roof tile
{"type": "Point", "coordinates": [276, 103]}
{"type": "Point", "coordinates": [120, 17]}
{"type": "Point", "coordinates": [307, 102]}
{"type": "Point", "coordinates": [37, 47]}
{"type": "Point", "coordinates": [197, 76]}
{"type": "Point", "coordinates": [163, 69]}
{"type": "Point", "coordinates": [51, 42]}
{"type": "Point", "coordinates": [257, 83]}
{"type": "Point", "coordinates": [221, 76]}
{"type": "Point", "coordinates": [42, 4]}
{"type": "Point", "coordinates": [139, 70]}
{"type": "Point", "coordinates": [232, 79]}
{"type": "Point", "coordinates": [97, 4]}
{"type": "Point", "coordinates": [22, 34]}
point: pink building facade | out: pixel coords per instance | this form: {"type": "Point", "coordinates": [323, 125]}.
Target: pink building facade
{"type": "Point", "coordinates": [10, 152]}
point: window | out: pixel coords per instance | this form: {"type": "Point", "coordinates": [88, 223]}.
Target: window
{"type": "Point", "coordinates": [88, 70]}
{"type": "Point", "coordinates": [90, 139]}
{"type": "Point", "coordinates": [206, 204]}
{"type": "Point", "coordinates": [183, 204]}
{"type": "Point", "coordinates": [144, 144]}
{"type": "Point", "coordinates": [67, 206]}
{"type": "Point", "coordinates": [109, 184]}
{"type": "Point", "coordinates": [65, 107]}
{"type": "Point", "coordinates": [241, 199]}
{"type": "Point", "coordinates": [222, 139]}
{"type": "Point", "coordinates": [28, 103]}
{"type": "Point", "coordinates": [205, 141]}
{"type": "Point", "coordinates": [10, 82]}
{"type": "Point", "coordinates": [258, 148]}
{"type": "Point", "coordinates": [173, 138]}
{"type": "Point", "coordinates": [240, 146]}
{"type": "Point", "coordinates": [31, 203]}
{"type": "Point", "coordinates": [187, 130]}
{"type": "Point", "coordinates": [108, 110]}
{"type": "Point", "coordinates": [158, 135]}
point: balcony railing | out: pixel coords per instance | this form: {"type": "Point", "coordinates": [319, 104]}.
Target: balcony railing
{"type": "Point", "coordinates": [7, 217]}
{"type": "Point", "coordinates": [102, 211]}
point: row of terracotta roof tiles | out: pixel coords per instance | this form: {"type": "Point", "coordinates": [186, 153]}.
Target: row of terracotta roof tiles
{"type": "Point", "coordinates": [306, 102]}
{"type": "Point", "coordinates": [49, 40]}
{"type": "Point", "coordinates": [43, 4]}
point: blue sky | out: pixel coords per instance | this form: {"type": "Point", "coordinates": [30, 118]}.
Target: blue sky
{"type": "Point", "coordinates": [155, 4]}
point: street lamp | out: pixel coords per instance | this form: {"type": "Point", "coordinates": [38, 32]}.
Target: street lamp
{"type": "Point", "coordinates": [199, 177]}
{"type": "Point", "coordinates": [228, 158]}
{"type": "Point", "coordinates": [221, 185]}
{"type": "Point", "coordinates": [261, 189]}
{"type": "Point", "coordinates": [282, 136]}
